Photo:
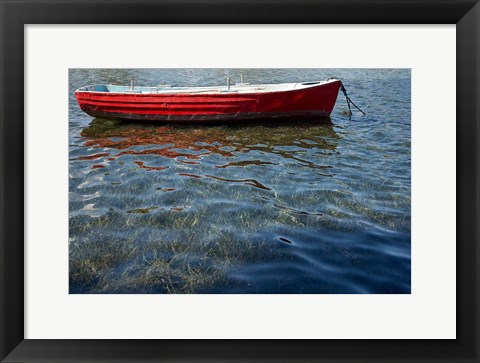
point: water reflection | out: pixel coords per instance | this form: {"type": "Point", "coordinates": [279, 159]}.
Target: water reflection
{"type": "Point", "coordinates": [189, 144]}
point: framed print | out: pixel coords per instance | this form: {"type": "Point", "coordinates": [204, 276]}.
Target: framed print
{"type": "Point", "coordinates": [239, 181]}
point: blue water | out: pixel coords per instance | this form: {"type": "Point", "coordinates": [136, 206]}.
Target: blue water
{"type": "Point", "coordinates": [261, 208]}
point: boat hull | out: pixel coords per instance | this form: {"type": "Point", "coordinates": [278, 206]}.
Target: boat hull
{"type": "Point", "coordinates": [314, 102]}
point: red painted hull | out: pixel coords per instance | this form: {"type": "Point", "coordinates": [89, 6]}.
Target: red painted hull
{"type": "Point", "coordinates": [306, 103]}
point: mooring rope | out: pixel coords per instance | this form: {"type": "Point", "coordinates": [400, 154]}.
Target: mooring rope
{"type": "Point", "coordinates": [349, 101]}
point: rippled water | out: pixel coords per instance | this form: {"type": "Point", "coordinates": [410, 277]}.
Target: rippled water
{"type": "Point", "coordinates": [254, 208]}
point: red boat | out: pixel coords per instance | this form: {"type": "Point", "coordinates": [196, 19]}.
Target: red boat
{"type": "Point", "coordinates": [239, 102]}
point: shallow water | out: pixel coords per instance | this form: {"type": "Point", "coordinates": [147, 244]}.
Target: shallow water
{"type": "Point", "coordinates": [254, 208]}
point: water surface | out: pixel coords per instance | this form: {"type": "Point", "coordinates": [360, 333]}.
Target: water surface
{"type": "Point", "coordinates": [253, 208]}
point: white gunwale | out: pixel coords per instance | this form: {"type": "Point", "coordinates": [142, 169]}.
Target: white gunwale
{"type": "Point", "coordinates": [234, 88]}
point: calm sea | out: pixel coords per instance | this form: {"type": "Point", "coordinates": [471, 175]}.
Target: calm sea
{"type": "Point", "coordinates": [260, 208]}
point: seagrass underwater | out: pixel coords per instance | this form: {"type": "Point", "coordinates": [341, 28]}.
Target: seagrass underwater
{"type": "Point", "coordinates": [278, 207]}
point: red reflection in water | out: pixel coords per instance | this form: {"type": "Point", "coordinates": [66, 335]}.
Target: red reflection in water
{"type": "Point", "coordinates": [189, 162]}
{"type": "Point", "coordinates": [166, 141]}
{"type": "Point", "coordinates": [166, 189]}
{"type": "Point", "coordinates": [162, 152]}
{"type": "Point", "coordinates": [93, 157]}
{"type": "Point", "coordinates": [189, 175]}
{"type": "Point", "coordinates": [141, 165]}
{"type": "Point", "coordinates": [188, 144]}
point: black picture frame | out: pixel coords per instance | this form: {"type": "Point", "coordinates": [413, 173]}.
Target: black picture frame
{"type": "Point", "coordinates": [15, 14]}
